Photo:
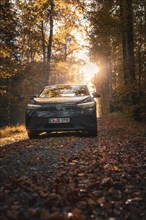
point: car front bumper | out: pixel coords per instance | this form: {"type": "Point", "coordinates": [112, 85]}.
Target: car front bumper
{"type": "Point", "coordinates": [83, 123]}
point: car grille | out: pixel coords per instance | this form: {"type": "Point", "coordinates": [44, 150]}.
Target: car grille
{"type": "Point", "coordinates": [61, 126]}
{"type": "Point", "coordinates": [63, 110]}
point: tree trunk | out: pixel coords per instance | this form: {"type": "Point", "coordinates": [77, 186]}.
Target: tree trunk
{"type": "Point", "coordinates": [44, 55]}
{"type": "Point", "coordinates": [139, 59]}
{"type": "Point", "coordinates": [124, 41]}
{"type": "Point", "coordinates": [135, 98]}
{"type": "Point", "coordinates": [43, 42]}
{"type": "Point", "coordinates": [109, 75]}
{"type": "Point", "coordinates": [9, 101]}
{"type": "Point", "coordinates": [49, 54]}
{"type": "Point", "coordinates": [130, 41]}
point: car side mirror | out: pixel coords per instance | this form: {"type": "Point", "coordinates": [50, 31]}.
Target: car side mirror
{"type": "Point", "coordinates": [34, 96]}
{"type": "Point", "coordinates": [95, 95]}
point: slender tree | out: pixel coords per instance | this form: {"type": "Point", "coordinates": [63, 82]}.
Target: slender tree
{"type": "Point", "coordinates": [130, 40]}
{"type": "Point", "coordinates": [124, 40]}
{"type": "Point", "coordinates": [50, 41]}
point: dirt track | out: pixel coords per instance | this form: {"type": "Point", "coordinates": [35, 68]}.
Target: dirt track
{"type": "Point", "coordinates": [71, 176]}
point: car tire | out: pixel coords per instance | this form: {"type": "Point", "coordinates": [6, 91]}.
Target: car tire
{"type": "Point", "coordinates": [93, 132]}
{"type": "Point", "coordinates": [32, 134]}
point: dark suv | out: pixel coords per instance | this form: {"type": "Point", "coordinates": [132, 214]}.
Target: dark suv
{"type": "Point", "coordinates": [62, 108]}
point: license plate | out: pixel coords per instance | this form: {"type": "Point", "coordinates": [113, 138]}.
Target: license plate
{"type": "Point", "coordinates": [59, 120]}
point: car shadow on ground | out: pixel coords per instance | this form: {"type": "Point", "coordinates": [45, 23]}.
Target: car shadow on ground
{"type": "Point", "coordinates": [63, 134]}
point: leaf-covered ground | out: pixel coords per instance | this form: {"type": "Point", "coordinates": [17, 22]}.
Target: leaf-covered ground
{"type": "Point", "coordinates": [71, 176]}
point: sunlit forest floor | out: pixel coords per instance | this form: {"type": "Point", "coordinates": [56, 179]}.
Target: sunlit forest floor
{"type": "Point", "coordinates": [70, 176]}
{"type": "Point", "coordinates": [10, 134]}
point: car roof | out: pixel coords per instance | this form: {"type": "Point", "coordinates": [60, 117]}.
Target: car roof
{"type": "Point", "coordinates": [58, 85]}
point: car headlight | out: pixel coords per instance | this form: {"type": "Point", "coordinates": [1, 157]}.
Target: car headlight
{"type": "Point", "coordinates": [31, 108]}
{"type": "Point", "coordinates": [86, 105]}
{"type": "Point", "coordinates": [29, 112]}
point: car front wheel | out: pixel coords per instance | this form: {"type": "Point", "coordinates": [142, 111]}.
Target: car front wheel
{"type": "Point", "coordinates": [93, 132]}
{"type": "Point", "coordinates": [32, 134]}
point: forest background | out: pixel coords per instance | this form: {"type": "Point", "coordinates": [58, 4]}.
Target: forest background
{"type": "Point", "coordinates": [41, 44]}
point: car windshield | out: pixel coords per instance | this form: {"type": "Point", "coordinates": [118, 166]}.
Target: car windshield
{"type": "Point", "coordinates": [64, 91]}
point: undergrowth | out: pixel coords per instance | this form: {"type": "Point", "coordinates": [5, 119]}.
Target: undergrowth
{"type": "Point", "coordinates": [11, 130]}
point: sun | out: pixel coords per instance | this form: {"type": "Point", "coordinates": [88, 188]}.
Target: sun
{"type": "Point", "coordinates": [89, 70]}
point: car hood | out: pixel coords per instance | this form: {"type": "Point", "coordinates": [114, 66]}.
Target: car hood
{"type": "Point", "coordinates": [60, 100]}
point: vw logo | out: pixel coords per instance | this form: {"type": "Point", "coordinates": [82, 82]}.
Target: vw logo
{"type": "Point", "coordinates": [59, 107]}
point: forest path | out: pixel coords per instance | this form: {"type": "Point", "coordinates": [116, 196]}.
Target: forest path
{"type": "Point", "coordinates": [70, 176]}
